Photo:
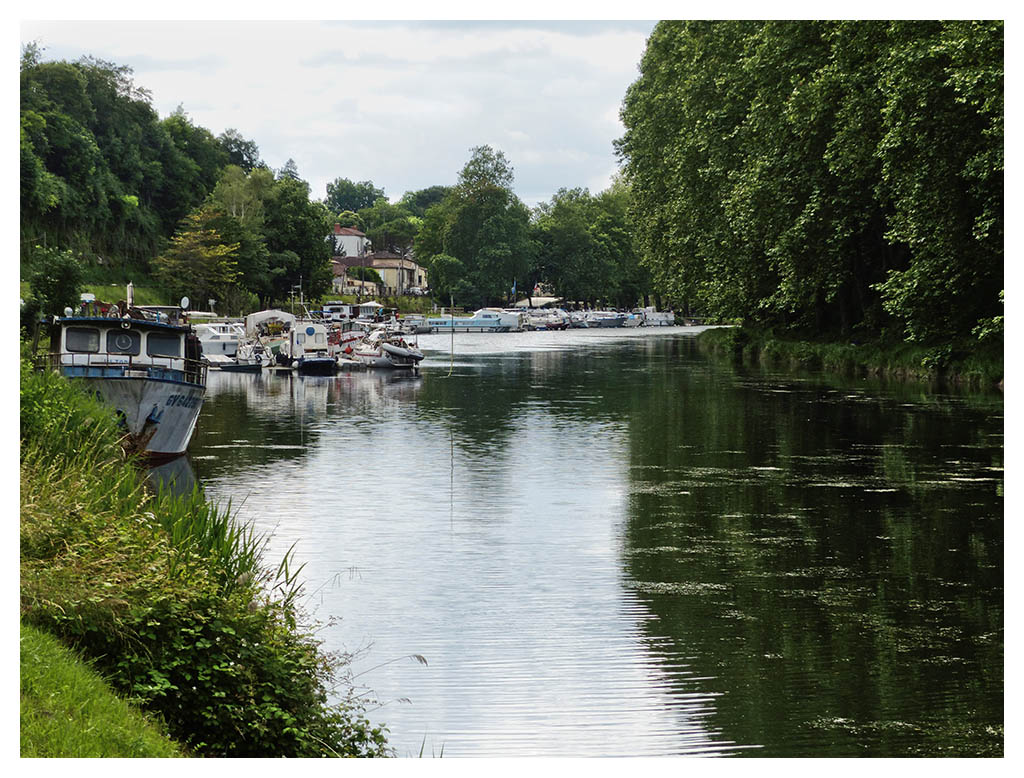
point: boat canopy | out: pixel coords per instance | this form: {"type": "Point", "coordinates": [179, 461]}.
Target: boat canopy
{"type": "Point", "coordinates": [253, 320]}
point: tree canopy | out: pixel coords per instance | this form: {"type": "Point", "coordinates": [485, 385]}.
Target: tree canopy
{"type": "Point", "coordinates": [834, 176]}
{"type": "Point", "coordinates": [481, 230]}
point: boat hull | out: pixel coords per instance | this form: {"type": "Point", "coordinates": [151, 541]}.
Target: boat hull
{"type": "Point", "coordinates": [316, 366]}
{"type": "Point", "coordinates": [159, 415]}
{"type": "Point", "coordinates": [382, 359]}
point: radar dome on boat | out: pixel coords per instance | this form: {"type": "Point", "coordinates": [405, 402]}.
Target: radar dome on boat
{"type": "Point", "coordinates": [184, 303]}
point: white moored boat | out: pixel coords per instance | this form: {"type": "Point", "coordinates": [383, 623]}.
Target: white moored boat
{"type": "Point", "coordinates": [483, 320]}
{"type": "Point", "coordinates": [145, 365]}
{"type": "Point", "coordinates": [656, 318]}
{"type": "Point", "coordinates": [384, 348]}
{"type": "Point", "coordinates": [220, 339]}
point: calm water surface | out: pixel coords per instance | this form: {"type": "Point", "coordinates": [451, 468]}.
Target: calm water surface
{"type": "Point", "coordinates": [604, 544]}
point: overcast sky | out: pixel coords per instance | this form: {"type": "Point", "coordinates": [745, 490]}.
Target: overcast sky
{"type": "Point", "coordinates": [397, 103]}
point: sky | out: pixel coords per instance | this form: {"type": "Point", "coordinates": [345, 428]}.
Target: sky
{"type": "Point", "coordinates": [398, 103]}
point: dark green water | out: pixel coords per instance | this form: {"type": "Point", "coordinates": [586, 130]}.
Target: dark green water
{"type": "Point", "coordinates": [604, 544]}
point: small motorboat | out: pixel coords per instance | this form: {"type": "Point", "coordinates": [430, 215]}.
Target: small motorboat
{"type": "Point", "coordinates": [384, 348]}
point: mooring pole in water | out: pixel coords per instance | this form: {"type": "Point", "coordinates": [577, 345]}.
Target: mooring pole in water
{"type": "Point", "coordinates": [451, 321]}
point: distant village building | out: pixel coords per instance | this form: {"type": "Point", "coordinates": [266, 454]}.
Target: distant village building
{"type": "Point", "coordinates": [350, 248]}
{"type": "Point", "coordinates": [348, 242]}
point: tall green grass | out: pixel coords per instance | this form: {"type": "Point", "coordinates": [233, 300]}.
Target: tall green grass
{"type": "Point", "coordinates": [68, 710]}
{"type": "Point", "coordinates": [169, 595]}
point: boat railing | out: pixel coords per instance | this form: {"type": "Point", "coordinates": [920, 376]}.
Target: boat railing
{"type": "Point", "coordinates": [190, 371]}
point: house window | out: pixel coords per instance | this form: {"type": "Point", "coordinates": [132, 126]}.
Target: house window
{"type": "Point", "coordinates": [160, 345]}
{"type": "Point", "coordinates": [82, 339]}
{"type": "Point", "coordinates": [123, 342]}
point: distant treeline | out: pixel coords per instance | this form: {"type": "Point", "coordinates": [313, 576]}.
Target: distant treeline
{"type": "Point", "coordinates": [111, 192]}
{"type": "Point", "coordinates": [843, 178]}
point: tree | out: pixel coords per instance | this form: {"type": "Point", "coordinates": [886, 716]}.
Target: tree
{"type": "Point", "coordinates": [55, 280]}
{"type": "Point", "coordinates": [294, 228]}
{"type": "Point", "coordinates": [344, 195]}
{"type": "Point", "coordinates": [419, 201]}
{"type": "Point", "coordinates": [388, 227]}
{"type": "Point", "coordinates": [484, 227]}
{"type": "Point", "coordinates": [834, 177]}
{"type": "Point", "coordinates": [240, 152]}
{"type": "Point", "coordinates": [198, 263]}
{"type": "Point", "coordinates": [289, 171]}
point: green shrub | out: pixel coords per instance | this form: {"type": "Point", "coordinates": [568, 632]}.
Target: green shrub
{"type": "Point", "coordinates": [168, 596]}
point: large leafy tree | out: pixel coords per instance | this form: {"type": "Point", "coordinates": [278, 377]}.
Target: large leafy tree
{"type": "Point", "coordinates": [198, 262]}
{"type": "Point", "coordinates": [417, 202]}
{"type": "Point", "coordinates": [832, 176]}
{"type": "Point", "coordinates": [484, 227]}
{"type": "Point", "coordinates": [585, 248]}
{"type": "Point", "coordinates": [101, 173]}
{"type": "Point", "coordinates": [240, 152]}
{"type": "Point", "coordinates": [346, 195]}
{"type": "Point", "coordinates": [389, 227]}
{"type": "Point", "coordinates": [294, 227]}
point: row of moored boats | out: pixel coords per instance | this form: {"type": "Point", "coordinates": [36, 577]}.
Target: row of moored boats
{"type": "Point", "coordinates": [150, 364]}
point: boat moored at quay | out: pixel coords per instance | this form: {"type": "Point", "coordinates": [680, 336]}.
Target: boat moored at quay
{"type": "Point", "coordinates": [483, 320]}
{"type": "Point", "coordinates": [146, 365]}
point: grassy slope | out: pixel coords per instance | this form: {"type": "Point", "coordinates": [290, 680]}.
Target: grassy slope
{"type": "Point", "coordinates": [67, 709]}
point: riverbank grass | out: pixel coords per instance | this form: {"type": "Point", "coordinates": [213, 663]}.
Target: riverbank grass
{"type": "Point", "coordinates": [68, 710]}
{"type": "Point", "coordinates": [974, 364]}
{"type": "Point", "coordinates": [168, 597]}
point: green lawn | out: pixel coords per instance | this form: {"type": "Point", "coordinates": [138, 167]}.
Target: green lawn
{"type": "Point", "coordinates": [67, 710]}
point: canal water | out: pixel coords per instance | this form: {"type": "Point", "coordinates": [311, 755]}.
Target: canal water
{"type": "Point", "coordinates": [604, 543]}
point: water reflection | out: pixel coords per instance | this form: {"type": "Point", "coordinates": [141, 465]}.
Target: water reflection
{"type": "Point", "coordinates": [175, 475]}
{"type": "Point", "coordinates": [611, 546]}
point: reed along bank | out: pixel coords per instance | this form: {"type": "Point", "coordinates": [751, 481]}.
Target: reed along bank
{"type": "Point", "coordinates": [168, 598]}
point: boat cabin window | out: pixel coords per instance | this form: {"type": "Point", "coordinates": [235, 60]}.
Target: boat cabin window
{"type": "Point", "coordinates": [320, 338]}
{"type": "Point", "coordinates": [300, 338]}
{"type": "Point", "coordinates": [123, 342]}
{"type": "Point", "coordinates": [82, 339]}
{"type": "Point", "coordinates": [159, 344]}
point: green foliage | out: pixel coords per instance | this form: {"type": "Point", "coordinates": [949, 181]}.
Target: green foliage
{"type": "Point", "coordinates": [55, 278]}
{"type": "Point", "coordinates": [198, 262]}
{"type": "Point", "coordinates": [68, 710]}
{"type": "Point", "coordinates": [242, 153]}
{"type": "Point", "coordinates": [419, 201]}
{"type": "Point", "coordinates": [100, 173]}
{"type": "Point", "coordinates": [388, 227]}
{"type": "Point", "coordinates": [584, 247]}
{"type": "Point", "coordinates": [841, 176]}
{"type": "Point", "coordinates": [484, 226]}
{"type": "Point", "coordinates": [168, 596]}
{"type": "Point", "coordinates": [365, 274]}
{"type": "Point", "coordinates": [294, 228]}
{"type": "Point", "coordinates": [346, 195]}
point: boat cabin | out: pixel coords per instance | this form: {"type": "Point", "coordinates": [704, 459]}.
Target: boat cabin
{"type": "Point", "coordinates": [103, 347]}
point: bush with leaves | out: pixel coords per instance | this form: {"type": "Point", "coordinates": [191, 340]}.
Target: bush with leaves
{"type": "Point", "coordinates": [168, 596]}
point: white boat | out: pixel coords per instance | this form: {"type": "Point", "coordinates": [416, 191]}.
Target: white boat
{"type": "Point", "coordinates": [655, 318]}
{"type": "Point", "coordinates": [483, 320]}
{"type": "Point", "coordinates": [220, 338]}
{"type": "Point", "coordinates": [270, 327]}
{"type": "Point", "coordinates": [413, 324]}
{"type": "Point", "coordinates": [605, 319]}
{"type": "Point", "coordinates": [547, 319]}
{"type": "Point", "coordinates": [578, 320]}
{"type": "Point", "coordinates": [343, 336]}
{"type": "Point", "coordinates": [307, 350]}
{"type": "Point", "coordinates": [387, 349]}
{"type": "Point", "coordinates": [148, 369]}
{"type": "Point", "coordinates": [251, 357]}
